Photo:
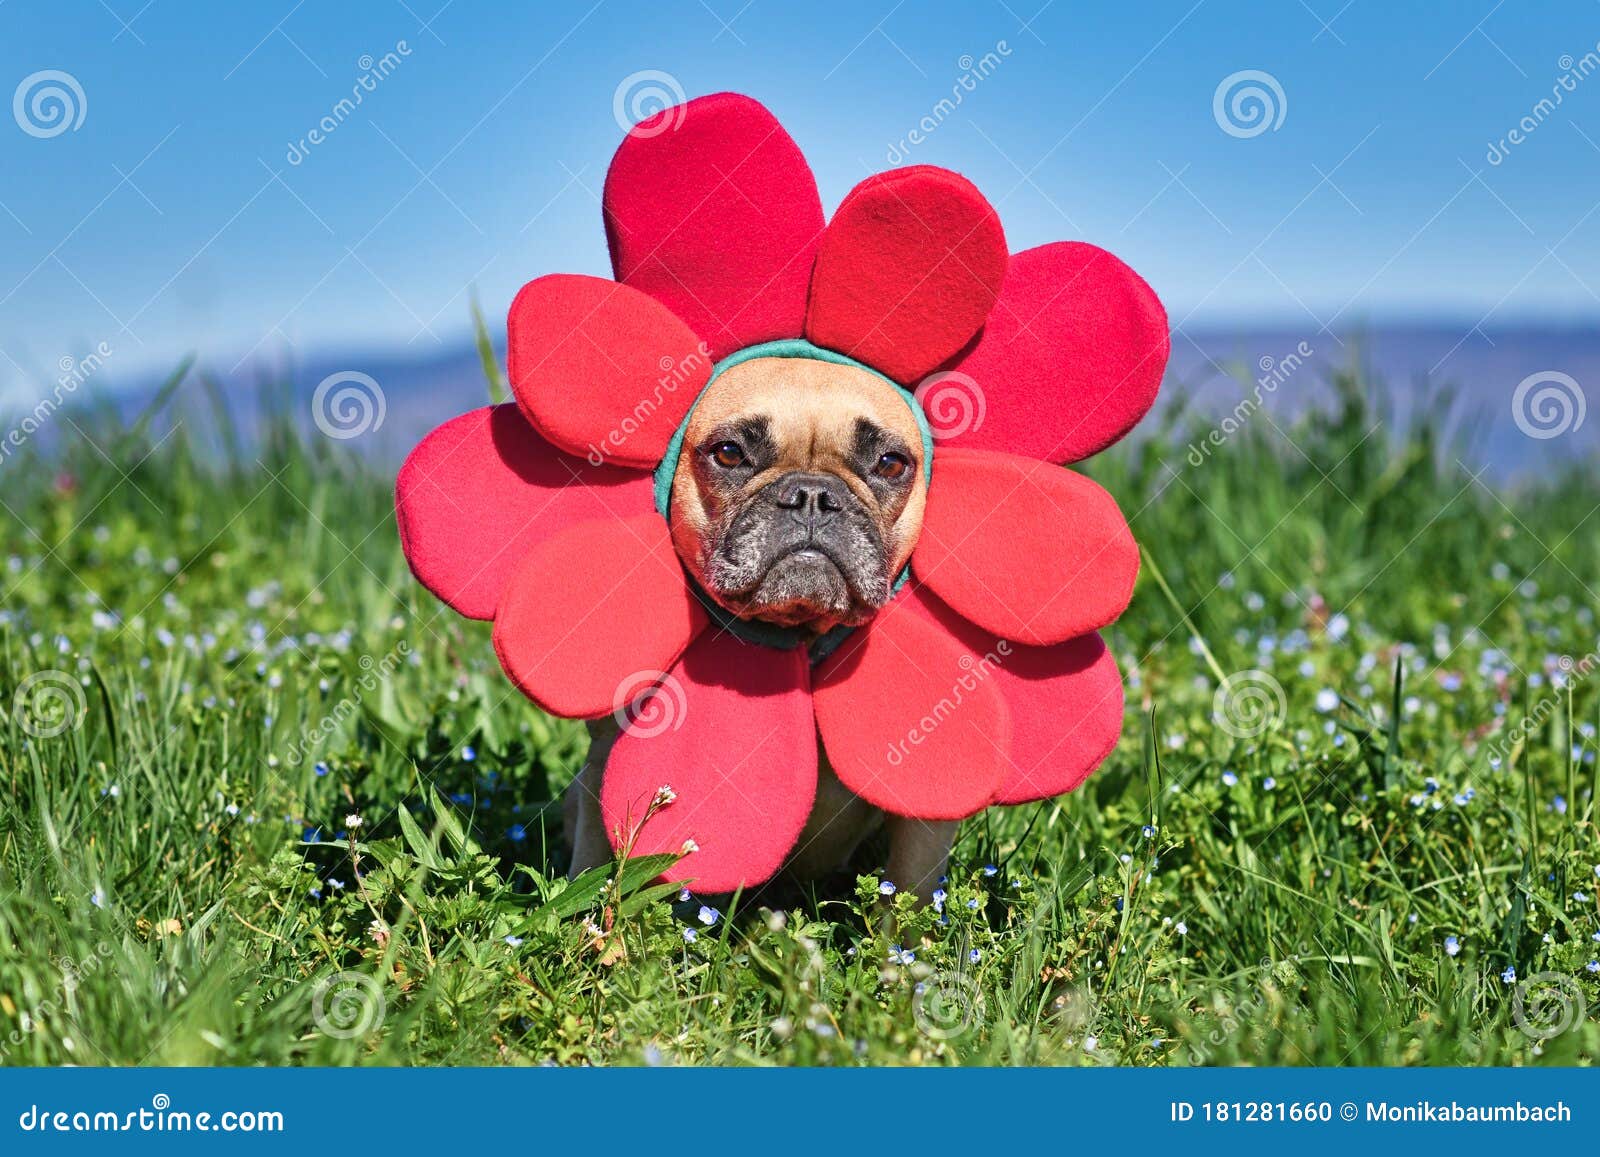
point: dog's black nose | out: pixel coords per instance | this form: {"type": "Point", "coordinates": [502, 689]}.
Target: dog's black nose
{"type": "Point", "coordinates": [809, 495]}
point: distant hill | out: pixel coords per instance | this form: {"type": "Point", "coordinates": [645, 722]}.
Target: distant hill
{"type": "Point", "coordinates": [1286, 368]}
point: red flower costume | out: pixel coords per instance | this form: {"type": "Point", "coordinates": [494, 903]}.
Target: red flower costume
{"type": "Point", "coordinates": [983, 681]}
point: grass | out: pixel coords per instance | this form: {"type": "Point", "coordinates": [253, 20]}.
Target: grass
{"type": "Point", "coordinates": [243, 661]}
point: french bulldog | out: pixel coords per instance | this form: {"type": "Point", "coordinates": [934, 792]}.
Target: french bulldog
{"type": "Point", "coordinates": [797, 500]}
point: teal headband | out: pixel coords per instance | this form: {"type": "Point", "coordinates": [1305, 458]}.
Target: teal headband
{"type": "Point", "coordinates": [769, 634]}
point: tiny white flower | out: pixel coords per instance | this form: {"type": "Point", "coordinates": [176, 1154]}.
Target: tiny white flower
{"type": "Point", "coordinates": [352, 821]}
{"type": "Point", "coordinates": [688, 846]}
{"type": "Point", "coordinates": [664, 796]}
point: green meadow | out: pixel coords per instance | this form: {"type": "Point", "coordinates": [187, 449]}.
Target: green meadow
{"type": "Point", "coordinates": [1351, 820]}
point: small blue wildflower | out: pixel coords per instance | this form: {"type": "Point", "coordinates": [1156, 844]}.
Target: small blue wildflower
{"type": "Point", "coordinates": [1430, 785]}
{"type": "Point", "coordinates": [974, 956]}
{"type": "Point", "coordinates": [461, 797]}
{"type": "Point", "coordinates": [1595, 936]}
{"type": "Point", "coordinates": [1494, 762]}
{"type": "Point", "coordinates": [1593, 966]}
{"type": "Point", "coordinates": [1148, 831]}
{"type": "Point", "coordinates": [652, 1055]}
{"type": "Point", "coordinates": [1509, 976]}
{"type": "Point", "coordinates": [1117, 903]}
{"type": "Point", "coordinates": [1452, 945]}
{"type": "Point", "coordinates": [514, 941]}
{"type": "Point", "coordinates": [311, 836]}
{"type": "Point", "coordinates": [336, 885]}
{"type": "Point", "coordinates": [990, 870]}
{"type": "Point", "coordinates": [1560, 805]}
{"type": "Point", "coordinates": [320, 768]}
{"type": "Point", "coordinates": [97, 898]}
{"type": "Point", "coordinates": [516, 833]}
{"type": "Point", "coordinates": [973, 905]}
{"type": "Point", "coordinates": [898, 955]}
{"type": "Point", "coordinates": [1580, 897]}
{"type": "Point", "coordinates": [690, 936]}
{"type": "Point", "coordinates": [709, 915]}
{"type": "Point", "coordinates": [1268, 784]}
{"type": "Point", "coordinates": [939, 897]}
{"type": "Point", "coordinates": [683, 895]}
{"type": "Point", "coordinates": [315, 893]}
{"type": "Point", "coordinates": [1229, 778]}
{"type": "Point", "coordinates": [886, 888]}
{"type": "Point", "coordinates": [468, 754]}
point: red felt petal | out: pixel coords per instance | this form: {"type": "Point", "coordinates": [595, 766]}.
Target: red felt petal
{"type": "Point", "coordinates": [911, 720]}
{"type": "Point", "coordinates": [1069, 361]}
{"type": "Point", "coordinates": [480, 490]}
{"type": "Point", "coordinates": [729, 729]}
{"type": "Point", "coordinates": [1025, 549]}
{"type": "Point", "coordinates": [602, 370]}
{"type": "Point", "coordinates": [1065, 703]}
{"type": "Point", "coordinates": [711, 209]}
{"type": "Point", "coordinates": [587, 610]}
{"type": "Point", "coordinates": [907, 271]}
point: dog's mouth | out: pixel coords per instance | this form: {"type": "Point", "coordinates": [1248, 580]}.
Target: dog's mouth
{"type": "Point", "coordinates": [807, 587]}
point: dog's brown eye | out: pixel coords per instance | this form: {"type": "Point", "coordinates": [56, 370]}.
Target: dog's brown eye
{"type": "Point", "coordinates": [892, 466]}
{"type": "Point", "coordinates": [727, 455]}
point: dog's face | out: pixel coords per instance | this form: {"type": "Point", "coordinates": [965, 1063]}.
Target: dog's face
{"type": "Point", "coordinates": [799, 494]}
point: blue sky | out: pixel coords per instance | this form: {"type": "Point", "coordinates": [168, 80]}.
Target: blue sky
{"type": "Point", "coordinates": [172, 218]}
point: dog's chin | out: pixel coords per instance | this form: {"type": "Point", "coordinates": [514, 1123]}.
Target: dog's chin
{"type": "Point", "coordinates": [805, 589]}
